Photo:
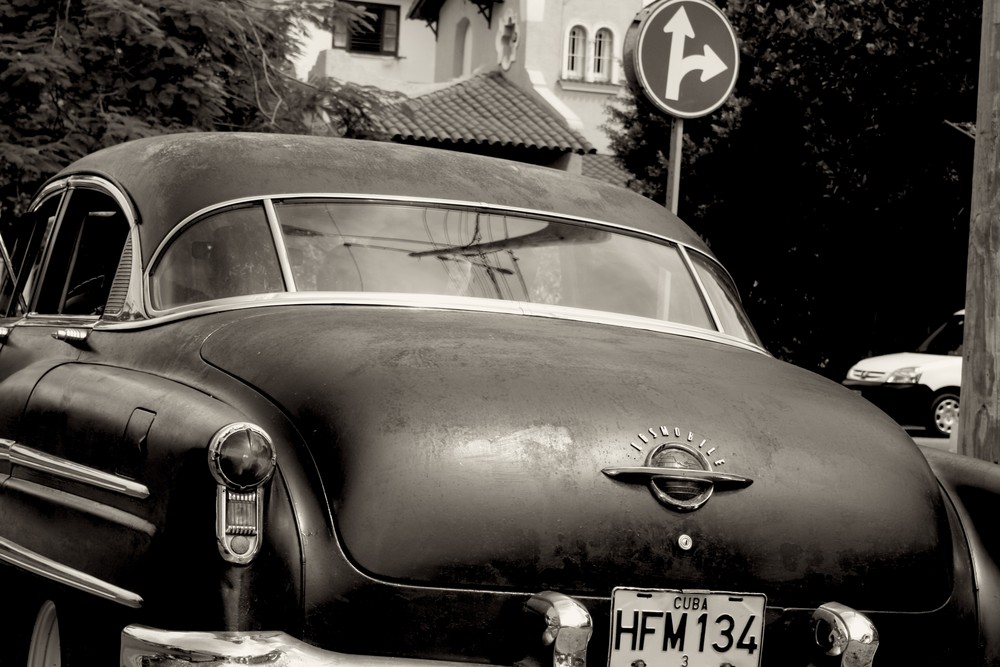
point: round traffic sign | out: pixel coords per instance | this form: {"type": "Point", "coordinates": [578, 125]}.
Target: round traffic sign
{"type": "Point", "coordinates": [684, 55]}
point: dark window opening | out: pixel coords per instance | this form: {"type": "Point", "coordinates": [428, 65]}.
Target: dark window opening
{"type": "Point", "coordinates": [22, 241]}
{"type": "Point", "coordinates": [379, 33]}
{"type": "Point", "coordinates": [85, 256]}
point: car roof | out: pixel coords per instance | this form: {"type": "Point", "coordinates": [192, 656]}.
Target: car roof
{"type": "Point", "coordinates": [171, 177]}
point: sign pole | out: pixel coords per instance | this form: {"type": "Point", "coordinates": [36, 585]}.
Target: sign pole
{"type": "Point", "coordinates": [674, 164]}
{"type": "Point", "coordinates": [668, 41]}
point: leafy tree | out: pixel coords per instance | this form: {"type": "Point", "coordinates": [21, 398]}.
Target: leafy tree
{"type": "Point", "coordinates": [831, 183]}
{"type": "Point", "coordinates": [78, 75]}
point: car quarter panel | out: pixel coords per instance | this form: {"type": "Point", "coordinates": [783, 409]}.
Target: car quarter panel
{"type": "Point", "coordinates": [142, 518]}
{"type": "Point", "coordinates": [974, 486]}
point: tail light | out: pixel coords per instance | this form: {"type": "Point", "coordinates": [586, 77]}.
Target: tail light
{"type": "Point", "coordinates": [242, 459]}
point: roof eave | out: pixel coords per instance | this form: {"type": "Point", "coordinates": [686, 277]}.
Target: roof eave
{"type": "Point", "coordinates": [425, 10]}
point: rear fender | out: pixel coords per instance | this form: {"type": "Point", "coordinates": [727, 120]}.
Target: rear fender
{"type": "Point", "coordinates": [973, 486]}
{"type": "Point", "coordinates": [151, 434]}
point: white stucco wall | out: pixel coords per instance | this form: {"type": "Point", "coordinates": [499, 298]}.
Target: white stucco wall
{"type": "Point", "coordinates": [479, 39]}
{"type": "Point", "coordinates": [414, 62]}
{"type": "Point", "coordinates": [542, 27]}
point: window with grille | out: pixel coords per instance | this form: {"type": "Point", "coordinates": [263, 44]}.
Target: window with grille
{"type": "Point", "coordinates": [575, 52]}
{"type": "Point", "coordinates": [602, 55]}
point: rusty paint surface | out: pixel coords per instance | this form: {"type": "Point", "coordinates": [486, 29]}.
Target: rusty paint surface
{"type": "Point", "coordinates": [466, 450]}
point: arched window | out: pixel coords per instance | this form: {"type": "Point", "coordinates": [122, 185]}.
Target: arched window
{"type": "Point", "coordinates": [603, 59]}
{"type": "Point", "coordinates": [576, 52]}
{"type": "Point", "coordinates": [463, 44]}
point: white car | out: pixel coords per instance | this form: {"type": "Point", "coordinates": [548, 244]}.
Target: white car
{"type": "Point", "coordinates": [920, 388]}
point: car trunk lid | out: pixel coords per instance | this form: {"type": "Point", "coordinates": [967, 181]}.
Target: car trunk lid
{"type": "Point", "coordinates": [469, 450]}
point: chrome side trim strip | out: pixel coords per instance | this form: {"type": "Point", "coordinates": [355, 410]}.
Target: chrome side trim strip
{"type": "Point", "coordinates": [141, 645]}
{"type": "Point", "coordinates": [5, 446]}
{"type": "Point", "coordinates": [432, 302]}
{"type": "Point", "coordinates": [50, 569]}
{"type": "Point", "coordinates": [643, 474]}
{"type": "Point", "coordinates": [54, 465]}
{"type": "Point", "coordinates": [71, 321]}
{"type": "Point", "coordinates": [108, 514]}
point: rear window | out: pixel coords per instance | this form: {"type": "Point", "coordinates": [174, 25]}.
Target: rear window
{"type": "Point", "coordinates": [377, 247]}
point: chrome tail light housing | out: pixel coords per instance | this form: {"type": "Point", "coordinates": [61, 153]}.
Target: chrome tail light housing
{"type": "Point", "coordinates": [242, 460]}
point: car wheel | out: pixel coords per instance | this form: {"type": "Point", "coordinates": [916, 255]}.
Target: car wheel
{"type": "Point", "coordinates": [944, 414]}
{"type": "Point", "coordinates": [45, 648]}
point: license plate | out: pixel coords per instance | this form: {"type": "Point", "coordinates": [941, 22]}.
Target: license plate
{"type": "Point", "coordinates": [677, 628]}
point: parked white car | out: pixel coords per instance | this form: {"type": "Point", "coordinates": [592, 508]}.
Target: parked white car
{"type": "Point", "coordinates": [920, 388]}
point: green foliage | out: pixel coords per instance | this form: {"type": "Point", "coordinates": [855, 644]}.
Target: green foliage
{"type": "Point", "coordinates": [830, 183]}
{"type": "Point", "coordinates": [78, 75]}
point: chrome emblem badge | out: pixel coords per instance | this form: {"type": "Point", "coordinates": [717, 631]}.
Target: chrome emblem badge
{"type": "Point", "coordinates": [679, 473]}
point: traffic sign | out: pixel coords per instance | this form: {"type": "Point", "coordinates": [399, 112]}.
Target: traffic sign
{"type": "Point", "coordinates": [684, 55]}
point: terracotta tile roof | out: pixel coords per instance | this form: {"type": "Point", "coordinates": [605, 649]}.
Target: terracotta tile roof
{"type": "Point", "coordinates": [605, 168]}
{"type": "Point", "coordinates": [483, 109]}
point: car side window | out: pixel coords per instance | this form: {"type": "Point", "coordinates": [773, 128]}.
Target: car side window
{"type": "Point", "coordinates": [84, 256]}
{"type": "Point", "coordinates": [22, 247]}
{"type": "Point", "coordinates": [229, 253]}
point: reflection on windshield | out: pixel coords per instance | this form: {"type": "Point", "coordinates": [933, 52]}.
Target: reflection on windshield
{"type": "Point", "coordinates": [947, 340]}
{"type": "Point", "coordinates": [338, 246]}
{"type": "Point", "coordinates": [382, 248]}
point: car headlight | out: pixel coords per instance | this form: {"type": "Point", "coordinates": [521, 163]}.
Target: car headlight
{"type": "Point", "coordinates": [908, 375]}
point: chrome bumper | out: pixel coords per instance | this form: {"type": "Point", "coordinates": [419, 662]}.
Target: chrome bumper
{"type": "Point", "coordinates": [143, 646]}
{"type": "Point", "coordinates": [567, 630]}
{"type": "Point", "coordinates": [843, 634]}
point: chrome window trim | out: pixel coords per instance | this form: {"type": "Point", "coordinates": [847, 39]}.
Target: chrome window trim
{"type": "Point", "coordinates": [279, 244]}
{"type": "Point", "coordinates": [693, 270]}
{"type": "Point", "coordinates": [8, 273]}
{"type": "Point", "coordinates": [425, 301]}
{"type": "Point", "coordinates": [36, 563]}
{"type": "Point", "coordinates": [430, 302]}
{"type": "Point", "coordinates": [38, 266]}
{"type": "Point", "coordinates": [134, 299]}
{"type": "Point", "coordinates": [268, 202]}
{"type": "Point", "coordinates": [404, 200]}
{"type": "Point", "coordinates": [93, 182]}
{"type": "Point", "coordinates": [33, 459]}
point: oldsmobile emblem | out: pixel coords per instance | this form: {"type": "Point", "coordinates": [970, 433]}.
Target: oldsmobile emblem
{"type": "Point", "coordinates": [679, 473]}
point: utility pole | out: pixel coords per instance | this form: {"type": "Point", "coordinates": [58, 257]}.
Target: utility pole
{"type": "Point", "coordinates": [979, 420]}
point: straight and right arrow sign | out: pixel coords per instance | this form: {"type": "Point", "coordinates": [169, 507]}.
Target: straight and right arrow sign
{"type": "Point", "coordinates": [684, 55]}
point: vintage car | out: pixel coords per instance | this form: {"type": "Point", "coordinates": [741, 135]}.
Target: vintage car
{"type": "Point", "coordinates": [303, 401]}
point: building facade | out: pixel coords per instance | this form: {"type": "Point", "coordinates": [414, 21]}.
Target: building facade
{"type": "Point", "coordinates": [565, 52]}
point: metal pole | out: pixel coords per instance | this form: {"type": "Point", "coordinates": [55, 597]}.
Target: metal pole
{"type": "Point", "coordinates": [674, 164]}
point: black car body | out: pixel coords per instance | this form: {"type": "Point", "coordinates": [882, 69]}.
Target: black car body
{"type": "Point", "coordinates": [289, 400]}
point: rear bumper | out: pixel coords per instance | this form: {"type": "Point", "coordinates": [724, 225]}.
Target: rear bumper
{"type": "Point", "coordinates": [842, 633]}
{"type": "Point", "coordinates": [567, 629]}
{"type": "Point", "coordinates": [142, 646]}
